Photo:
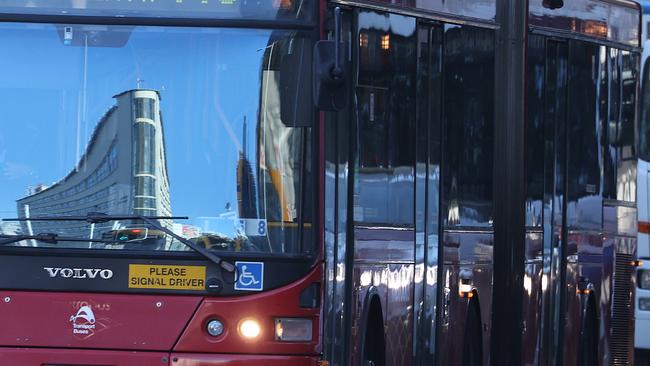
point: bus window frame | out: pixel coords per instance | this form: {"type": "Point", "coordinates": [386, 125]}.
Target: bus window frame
{"type": "Point", "coordinates": [153, 21]}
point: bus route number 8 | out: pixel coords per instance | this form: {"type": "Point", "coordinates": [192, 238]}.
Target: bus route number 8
{"type": "Point", "coordinates": [261, 228]}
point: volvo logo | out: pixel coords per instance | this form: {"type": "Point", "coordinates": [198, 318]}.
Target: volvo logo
{"type": "Point", "coordinates": [90, 273]}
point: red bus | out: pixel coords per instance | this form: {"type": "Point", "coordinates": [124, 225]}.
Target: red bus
{"type": "Point", "coordinates": [302, 182]}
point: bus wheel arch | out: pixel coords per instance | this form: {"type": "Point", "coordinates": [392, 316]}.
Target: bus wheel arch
{"type": "Point", "coordinates": [473, 338]}
{"type": "Point", "coordinates": [373, 340]}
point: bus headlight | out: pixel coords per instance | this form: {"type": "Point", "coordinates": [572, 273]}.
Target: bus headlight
{"type": "Point", "coordinates": [249, 328]}
{"type": "Point", "coordinates": [644, 279]}
{"type": "Point", "coordinates": [293, 329]}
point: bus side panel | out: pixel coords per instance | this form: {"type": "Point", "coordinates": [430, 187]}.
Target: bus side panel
{"type": "Point", "coordinates": [532, 298]}
{"type": "Point", "coordinates": [384, 268]}
{"type": "Point", "coordinates": [620, 230]}
{"type": "Point", "coordinates": [584, 278]}
{"type": "Point", "coordinates": [468, 262]}
{"type": "Point", "coordinates": [454, 310]}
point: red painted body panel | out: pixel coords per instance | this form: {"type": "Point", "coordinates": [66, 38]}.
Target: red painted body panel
{"type": "Point", "coordinates": [127, 322]}
{"type": "Point", "coordinates": [265, 307]}
{"type": "Point", "coordinates": [39, 357]}
{"type": "Point", "coordinates": [241, 360]}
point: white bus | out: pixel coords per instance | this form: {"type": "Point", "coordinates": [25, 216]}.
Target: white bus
{"type": "Point", "coordinates": [642, 301]}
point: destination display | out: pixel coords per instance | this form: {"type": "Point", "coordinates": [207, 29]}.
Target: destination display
{"type": "Point", "coordinates": [206, 9]}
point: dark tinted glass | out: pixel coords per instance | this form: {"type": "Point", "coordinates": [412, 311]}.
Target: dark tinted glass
{"type": "Point", "coordinates": [644, 121]}
{"type": "Point", "coordinates": [144, 108]}
{"type": "Point", "coordinates": [535, 130]}
{"type": "Point", "coordinates": [626, 151]}
{"type": "Point", "coordinates": [435, 116]}
{"type": "Point", "coordinates": [555, 135]}
{"type": "Point", "coordinates": [468, 126]}
{"type": "Point", "coordinates": [386, 115]}
{"type": "Point", "coordinates": [612, 128]}
{"type": "Point", "coordinates": [584, 148]}
{"type": "Point", "coordinates": [620, 150]}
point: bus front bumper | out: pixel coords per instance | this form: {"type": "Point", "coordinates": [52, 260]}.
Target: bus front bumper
{"type": "Point", "coordinates": [241, 360]}
{"type": "Point", "coordinates": [13, 356]}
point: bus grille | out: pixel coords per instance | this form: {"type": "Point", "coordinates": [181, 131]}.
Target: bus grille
{"type": "Point", "coordinates": [622, 317]}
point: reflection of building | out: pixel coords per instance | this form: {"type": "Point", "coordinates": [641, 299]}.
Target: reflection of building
{"type": "Point", "coordinates": [246, 190]}
{"type": "Point", "coordinates": [123, 171]}
{"type": "Point", "coordinates": [279, 154]}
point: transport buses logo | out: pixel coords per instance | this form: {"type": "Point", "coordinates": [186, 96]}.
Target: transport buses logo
{"type": "Point", "coordinates": [89, 318]}
{"type": "Point", "coordinates": [83, 322]}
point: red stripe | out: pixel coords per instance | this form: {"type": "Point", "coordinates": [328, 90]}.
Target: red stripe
{"type": "Point", "coordinates": [644, 227]}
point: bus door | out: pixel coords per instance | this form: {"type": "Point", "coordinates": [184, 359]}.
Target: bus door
{"type": "Point", "coordinates": [427, 190]}
{"type": "Point", "coordinates": [555, 187]}
{"type": "Point", "coordinates": [383, 196]}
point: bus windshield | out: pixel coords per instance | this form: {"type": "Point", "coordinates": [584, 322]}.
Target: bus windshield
{"type": "Point", "coordinates": [153, 121]}
{"type": "Point", "coordinates": [285, 10]}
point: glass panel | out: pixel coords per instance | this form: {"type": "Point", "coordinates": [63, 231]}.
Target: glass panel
{"type": "Point", "coordinates": [468, 126]}
{"type": "Point", "coordinates": [144, 144]}
{"type": "Point", "coordinates": [620, 152]}
{"type": "Point", "coordinates": [584, 204]}
{"type": "Point", "coordinates": [384, 191]}
{"type": "Point", "coordinates": [144, 108]}
{"type": "Point", "coordinates": [626, 155]}
{"type": "Point", "coordinates": [228, 9]}
{"type": "Point", "coordinates": [98, 142]}
{"type": "Point", "coordinates": [535, 143]}
{"type": "Point", "coordinates": [432, 227]}
{"type": "Point", "coordinates": [612, 128]}
{"type": "Point", "coordinates": [644, 121]}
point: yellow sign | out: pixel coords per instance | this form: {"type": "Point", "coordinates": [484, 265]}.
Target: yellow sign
{"type": "Point", "coordinates": [165, 277]}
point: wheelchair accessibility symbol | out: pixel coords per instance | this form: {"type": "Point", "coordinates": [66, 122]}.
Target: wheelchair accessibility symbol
{"type": "Point", "coordinates": [250, 276]}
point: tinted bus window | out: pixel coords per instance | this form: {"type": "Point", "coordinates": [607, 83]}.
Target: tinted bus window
{"type": "Point", "coordinates": [644, 122]}
{"type": "Point", "coordinates": [583, 155]}
{"type": "Point", "coordinates": [626, 156]}
{"type": "Point", "coordinates": [620, 153]}
{"type": "Point", "coordinates": [468, 126]}
{"type": "Point", "coordinates": [612, 126]}
{"type": "Point", "coordinates": [384, 189]}
{"type": "Point", "coordinates": [535, 131]}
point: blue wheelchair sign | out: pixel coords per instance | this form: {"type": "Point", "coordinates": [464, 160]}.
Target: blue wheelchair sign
{"type": "Point", "coordinates": [250, 276]}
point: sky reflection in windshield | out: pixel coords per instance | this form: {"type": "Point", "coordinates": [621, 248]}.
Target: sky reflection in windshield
{"type": "Point", "coordinates": [150, 121]}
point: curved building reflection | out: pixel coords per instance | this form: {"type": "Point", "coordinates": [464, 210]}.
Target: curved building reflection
{"type": "Point", "coordinates": [122, 171]}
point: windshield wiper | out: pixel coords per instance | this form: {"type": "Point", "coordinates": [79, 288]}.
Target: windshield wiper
{"type": "Point", "coordinates": [100, 217]}
{"type": "Point", "coordinates": [50, 239]}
